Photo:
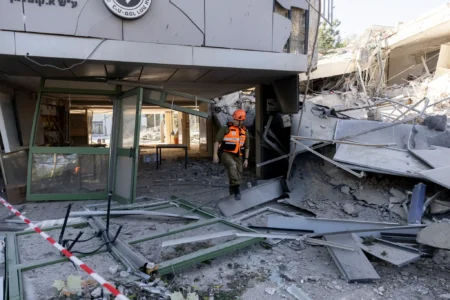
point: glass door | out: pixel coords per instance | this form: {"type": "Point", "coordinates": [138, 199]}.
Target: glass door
{"type": "Point", "coordinates": [125, 145]}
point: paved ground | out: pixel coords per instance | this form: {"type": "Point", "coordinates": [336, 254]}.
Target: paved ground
{"type": "Point", "coordinates": [258, 271]}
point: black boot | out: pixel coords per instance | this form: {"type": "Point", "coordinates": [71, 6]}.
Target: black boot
{"type": "Point", "coordinates": [237, 193]}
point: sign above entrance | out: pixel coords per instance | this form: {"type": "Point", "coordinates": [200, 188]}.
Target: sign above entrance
{"type": "Point", "coordinates": [128, 9]}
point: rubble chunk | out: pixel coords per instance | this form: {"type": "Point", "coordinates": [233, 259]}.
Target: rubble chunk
{"type": "Point", "coordinates": [113, 269]}
{"type": "Point", "coordinates": [439, 207]}
{"type": "Point", "coordinates": [370, 197]}
{"type": "Point", "coordinates": [442, 257]}
{"type": "Point", "coordinates": [270, 291]}
{"type": "Point", "coordinates": [124, 274]}
{"type": "Point", "coordinates": [395, 200]}
{"type": "Point", "coordinates": [297, 293]}
{"type": "Point", "coordinates": [397, 193]}
{"type": "Point", "coordinates": [438, 123]}
{"type": "Point", "coordinates": [350, 209]}
{"type": "Point", "coordinates": [436, 235]}
{"type": "Point", "coordinates": [345, 190]}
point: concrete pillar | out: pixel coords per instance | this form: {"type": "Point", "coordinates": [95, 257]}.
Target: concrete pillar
{"type": "Point", "coordinates": [186, 130]}
{"type": "Point", "coordinates": [169, 127]}
{"type": "Point", "coordinates": [297, 40]}
{"type": "Point", "coordinates": [8, 126]}
{"type": "Point", "coordinates": [259, 127]}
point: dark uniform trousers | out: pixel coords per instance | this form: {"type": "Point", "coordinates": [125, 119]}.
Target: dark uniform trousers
{"type": "Point", "coordinates": [234, 166]}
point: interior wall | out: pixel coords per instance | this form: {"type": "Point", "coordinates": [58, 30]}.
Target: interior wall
{"type": "Point", "coordinates": [26, 106]}
{"type": "Point", "coordinates": [8, 126]}
{"type": "Point", "coordinates": [402, 59]}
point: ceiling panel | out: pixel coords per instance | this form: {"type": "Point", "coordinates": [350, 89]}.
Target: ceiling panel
{"type": "Point", "coordinates": [12, 66]}
{"type": "Point", "coordinates": [156, 74]}
{"type": "Point", "coordinates": [255, 77]}
{"type": "Point", "coordinates": [87, 70]}
{"type": "Point", "coordinates": [123, 70]}
{"type": "Point", "coordinates": [217, 75]}
{"type": "Point", "coordinates": [187, 75]}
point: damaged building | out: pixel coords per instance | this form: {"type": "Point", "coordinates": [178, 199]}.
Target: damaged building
{"type": "Point", "coordinates": [109, 112]}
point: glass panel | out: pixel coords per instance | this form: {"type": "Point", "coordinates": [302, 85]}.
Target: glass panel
{"type": "Point", "coordinates": [128, 122]}
{"type": "Point", "coordinates": [101, 127]}
{"type": "Point", "coordinates": [69, 173]}
{"type": "Point", "coordinates": [15, 166]}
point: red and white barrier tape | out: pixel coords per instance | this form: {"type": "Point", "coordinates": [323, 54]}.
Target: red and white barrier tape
{"type": "Point", "coordinates": [69, 255]}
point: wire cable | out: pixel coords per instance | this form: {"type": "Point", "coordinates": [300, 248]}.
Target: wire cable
{"type": "Point", "coordinates": [72, 66]}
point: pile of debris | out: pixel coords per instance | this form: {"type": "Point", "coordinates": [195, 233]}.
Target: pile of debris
{"type": "Point", "coordinates": [225, 106]}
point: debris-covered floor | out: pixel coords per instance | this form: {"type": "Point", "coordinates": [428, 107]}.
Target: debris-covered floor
{"type": "Point", "coordinates": [269, 269]}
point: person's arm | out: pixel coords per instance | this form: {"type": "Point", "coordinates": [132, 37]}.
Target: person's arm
{"type": "Point", "coordinates": [219, 139]}
{"type": "Point", "coordinates": [216, 152]}
{"type": "Point", "coordinates": [247, 150]}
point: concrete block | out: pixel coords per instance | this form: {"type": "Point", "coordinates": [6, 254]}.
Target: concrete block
{"type": "Point", "coordinates": [164, 23]}
{"type": "Point", "coordinates": [252, 197]}
{"type": "Point", "coordinates": [95, 20]}
{"type": "Point", "coordinates": [439, 176]}
{"type": "Point", "coordinates": [194, 10]}
{"type": "Point", "coordinates": [437, 157]}
{"type": "Point", "coordinates": [59, 18]}
{"type": "Point", "coordinates": [436, 235]}
{"type": "Point", "coordinates": [11, 16]}
{"type": "Point", "coordinates": [7, 46]}
{"type": "Point", "coordinates": [383, 159]}
{"type": "Point", "coordinates": [282, 28]}
{"type": "Point", "coordinates": [239, 24]}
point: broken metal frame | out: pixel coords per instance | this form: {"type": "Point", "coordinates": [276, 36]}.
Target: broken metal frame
{"type": "Point", "coordinates": [62, 150]}
{"type": "Point", "coordinates": [163, 97]}
{"type": "Point", "coordinates": [294, 153]}
{"type": "Point", "coordinates": [344, 142]}
{"type": "Point", "coordinates": [359, 175]}
{"type": "Point", "coordinates": [14, 268]}
{"type": "Point", "coordinates": [112, 153]}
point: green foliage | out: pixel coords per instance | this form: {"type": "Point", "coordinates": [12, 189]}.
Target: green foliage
{"type": "Point", "coordinates": [330, 36]}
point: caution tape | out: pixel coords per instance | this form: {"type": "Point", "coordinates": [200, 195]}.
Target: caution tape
{"type": "Point", "coordinates": [67, 253]}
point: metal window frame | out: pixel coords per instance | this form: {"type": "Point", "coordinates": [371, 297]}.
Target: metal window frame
{"type": "Point", "coordinates": [139, 93]}
{"type": "Point", "coordinates": [117, 93]}
{"type": "Point", "coordinates": [14, 269]}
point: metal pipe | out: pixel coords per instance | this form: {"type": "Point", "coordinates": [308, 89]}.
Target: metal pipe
{"type": "Point", "coordinates": [122, 251]}
{"type": "Point", "coordinates": [117, 234]}
{"type": "Point", "coordinates": [108, 213]}
{"type": "Point", "coordinates": [410, 108]}
{"type": "Point", "coordinates": [61, 235]}
{"type": "Point", "coordinates": [344, 142]}
{"type": "Point", "coordinates": [130, 213]}
{"type": "Point", "coordinates": [366, 230]}
{"type": "Point", "coordinates": [75, 240]}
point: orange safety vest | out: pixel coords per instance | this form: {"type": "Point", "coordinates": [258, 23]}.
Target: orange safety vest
{"type": "Point", "coordinates": [234, 140]}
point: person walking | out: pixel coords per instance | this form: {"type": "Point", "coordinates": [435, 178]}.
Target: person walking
{"type": "Point", "coordinates": [233, 146]}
